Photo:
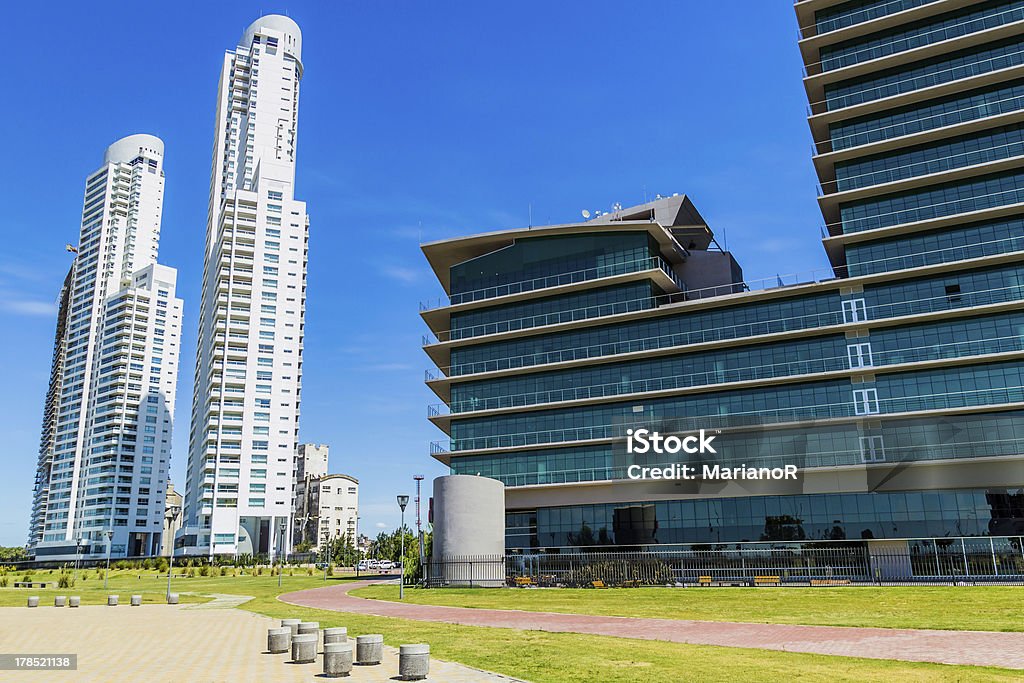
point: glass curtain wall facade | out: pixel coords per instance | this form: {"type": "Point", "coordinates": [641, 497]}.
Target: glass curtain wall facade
{"type": "Point", "coordinates": [896, 385]}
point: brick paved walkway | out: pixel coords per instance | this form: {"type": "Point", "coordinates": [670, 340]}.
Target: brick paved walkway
{"type": "Point", "coordinates": [158, 643]}
{"type": "Point", "coordinates": [979, 648]}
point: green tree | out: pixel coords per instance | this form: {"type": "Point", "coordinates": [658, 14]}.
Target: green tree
{"type": "Point", "coordinates": [13, 554]}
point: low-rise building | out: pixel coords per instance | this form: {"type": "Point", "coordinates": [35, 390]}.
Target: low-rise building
{"type": "Point", "coordinates": [324, 505]}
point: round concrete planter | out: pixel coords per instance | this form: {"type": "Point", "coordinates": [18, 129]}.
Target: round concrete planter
{"type": "Point", "coordinates": [369, 649]}
{"type": "Point", "coordinates": [304, 648]}
{"type": "Point", "coordinates": [413, 661]}
{"type": "Point", "coordinates": [136, 600]}
{"type": "Point", "coordinates": [33, 601]}
{"type": "Point", "coordinates": [74, 601]}
{"type": "Point", "coordinates": [279, 640]}
{"type": "Point", "coordinates": [337, 659]}
{"type": "Point", "coordinates": [337, 634]}
{"type": "Point", "coordinates": [293, 624]}
{"type": "Point", "coordinates": [172, 599]}
{"type": "Point", "coordinates": [111, 601]}
{"type": "Point", "coordinates": [60, 600]}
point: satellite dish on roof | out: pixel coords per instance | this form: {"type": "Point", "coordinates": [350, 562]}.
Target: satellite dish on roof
{"type": "Point", "coordinates": [586, 214]}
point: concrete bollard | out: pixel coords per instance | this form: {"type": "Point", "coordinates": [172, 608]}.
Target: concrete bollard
{"type": "Point", "coordinates": [413, 661]}
{"type": "Point", "coordinates": [369, 649]}
{"type": "Point", "coordinates": [111, 601]}
{"type": "Point", "coordinates": [304, 648]}
{"type": "Point", "coordinates": [33, 601]}
{"type": "Point", "coordinates": [172, 599]}
{"type": "Point", "coordinates": [74, 601]}
{"type": "Point", "coordinates": [337, 634]}
{"type": "Point", "coordinates": [293, 624]}
{"type": "Point", "coordinates": [279, 640]}
{"type": "Point", "coordinates": [337, 659]}
{"type": "Point", "coordinates": [313, 627]}
{"type": "Point", "coordinates": [136, 600]}
{"type": "Point", "coordinates": [60, 600]}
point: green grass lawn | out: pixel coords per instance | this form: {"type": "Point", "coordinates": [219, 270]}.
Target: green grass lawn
{"type": "Point", "coordinates": [569, 658]}
{"type": "Point", "coordinates": [532, 655]}
{"type": "Point", "coordinates": [975, 608]}
{"type": "Point", "coordinates": [152, 586]}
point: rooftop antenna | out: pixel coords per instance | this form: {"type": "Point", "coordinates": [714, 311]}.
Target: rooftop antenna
{"type": "Point", "coordinates": [530, 209]}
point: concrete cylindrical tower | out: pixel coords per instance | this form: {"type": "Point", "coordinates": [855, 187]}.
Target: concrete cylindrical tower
{"type": "Point", "coordinates": [469, 523]}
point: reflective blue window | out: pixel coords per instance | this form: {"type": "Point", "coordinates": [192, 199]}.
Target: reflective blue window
{"type": "Point", "coordinates": [948, 111]}
{"type": "Point", "coordinates": [920, 33]}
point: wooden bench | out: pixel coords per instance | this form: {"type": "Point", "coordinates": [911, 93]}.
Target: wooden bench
{"type": "Point", "coordinates": [524, 581]}
{"type": "Point", "coordinates": [598, 584]}
{"type": "Point", "coordinates": [830, 582]}
{"type": "Point", "coordinates": [632, 583]}
{"type": "Point", "coordinates": [704, 580]}
{"type": "Point", "coordinates": [34, 584]}
{"type": "Point", "coordinates": [766, 580]}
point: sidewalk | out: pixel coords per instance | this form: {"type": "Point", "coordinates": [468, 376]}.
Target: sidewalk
{"type": "Point", "coordinates": [977, 648]}
{"type": "Point", "coordinates": [163, 643]}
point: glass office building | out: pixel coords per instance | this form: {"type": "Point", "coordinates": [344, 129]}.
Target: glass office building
{"type": "Point", "coordinates": [895, 382]}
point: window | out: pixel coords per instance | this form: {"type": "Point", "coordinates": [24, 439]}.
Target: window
{"type": "Point", "coordinates": [872, 449]}
{"type": "Point", "coordinates": [860, 355]}
{"type": "Point", "coordinates": [865, 401]}
{"type": "Point", "coordinates": [854, 310]}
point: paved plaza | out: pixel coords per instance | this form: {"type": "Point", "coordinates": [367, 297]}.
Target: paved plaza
{"type": "Point", "coordinates": [976, 648]}
{"type": "Point", "coordinates": [175, 643]}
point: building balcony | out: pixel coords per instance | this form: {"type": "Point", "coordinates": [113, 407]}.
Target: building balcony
{"type": "Point", "coordinates": [437, 313]}
{"type": "Point", "coordinates": [953, 403]}
{"type": "Point", "coordinates": [821, 369]}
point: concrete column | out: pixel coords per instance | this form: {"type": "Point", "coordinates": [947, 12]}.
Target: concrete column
{"type": "Point", "coordinates": [369, 649]}
{"type": "Point", "coordinates": [59, 600]}
{"type": "Point", "coordinates": [413, 661]}
{"type": "Point", "coordinates": [74, 601]}
{"type": "Point", "coordinates": [293, 624]}
{"type": "Point", "coordinates": [469, 521]}
{"type": "Point", "coordinates": [337, 659]}
{"type": "Point", "coordinates": [111, 601]}
{"type": "Point", "coordinates": [304, 648]}
{"type": "Point", "coordinates": [136, 600]}
{"type": "Point", "coordinates": [279, 640]}
{"type": "Point", "coordinates": [33, 601]}
{"type": "Point", "coordinates": [338, 634]}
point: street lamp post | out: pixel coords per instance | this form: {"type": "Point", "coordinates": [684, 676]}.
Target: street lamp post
{"type": "Point", "coordinates": [280, 565]}
{"type": "Point", "coordinates": [402, 502]}
{"type": "Point", "coordinates": [78, 554]}
{"type": "Point", "coordinates": [110, 539]}
{"type": "Point", "coordinates": [170, 568]}
{"type": "Point", "coordinates": [359, 553]}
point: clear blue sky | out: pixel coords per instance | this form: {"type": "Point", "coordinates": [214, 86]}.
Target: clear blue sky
{"type": "Point", "coordinates": [416, 121]}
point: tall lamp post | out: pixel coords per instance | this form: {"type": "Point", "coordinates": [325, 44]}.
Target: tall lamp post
{"type": "Point", "coordinates": [109, 533]}
{"type": "Point", "coordinates": [402, 502]}
{"type": "Point", "coordinates": [170, 568]}
{"type": "Point", "coordinates": [359, 553]}
{"type": "Point", "coordinates": [79, 543]}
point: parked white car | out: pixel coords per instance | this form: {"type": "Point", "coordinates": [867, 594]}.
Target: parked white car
{"type": "Point", "coordinates": [385, 565]}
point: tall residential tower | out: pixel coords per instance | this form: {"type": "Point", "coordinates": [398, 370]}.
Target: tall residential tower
{"type": "Point", "coordinates": [245, 412]}
{"type": "Point", "coordinates": [105, 448]}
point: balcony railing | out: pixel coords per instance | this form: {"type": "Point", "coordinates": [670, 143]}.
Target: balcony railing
{"type": "Point", "coordinates": [752, 418]}
{"type": "Point", "coordinates": [755, 329]}
{"type": "Point", "coordinates": [561, 279]}
{"type": "Point", "coordinates": [880, 359]}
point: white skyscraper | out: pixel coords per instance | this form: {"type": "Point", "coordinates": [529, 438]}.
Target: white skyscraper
{"type": "Point", "coordinates": [105, 448]}
{"type": "Point", "coordinates": [245, 412]}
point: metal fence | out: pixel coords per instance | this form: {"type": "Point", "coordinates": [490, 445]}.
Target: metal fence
{"type": "Point", "coordinates": [835, 566]}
